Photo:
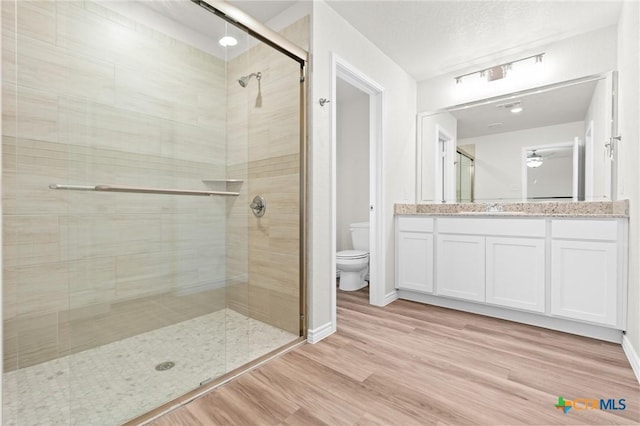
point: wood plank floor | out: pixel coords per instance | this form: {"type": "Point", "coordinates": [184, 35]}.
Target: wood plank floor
{"type": "Point", "coordinates": [415, 364]}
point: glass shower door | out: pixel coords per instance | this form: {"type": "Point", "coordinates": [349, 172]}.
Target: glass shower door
{"type": "Point", "coordinates": [464, 177]}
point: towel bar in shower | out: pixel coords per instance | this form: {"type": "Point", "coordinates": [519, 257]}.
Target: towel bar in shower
{"type": "Point", "coordinates": [140, 190]}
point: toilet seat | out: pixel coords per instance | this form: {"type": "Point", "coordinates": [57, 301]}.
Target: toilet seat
{"type": "Point", "coordinates": [352, 254]}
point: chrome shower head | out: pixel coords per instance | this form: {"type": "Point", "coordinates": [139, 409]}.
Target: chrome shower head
{"type": "Point", "coordinates": [243, 81]}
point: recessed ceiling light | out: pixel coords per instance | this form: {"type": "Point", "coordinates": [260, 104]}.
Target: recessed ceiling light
{"type": "Point", "coordinates": [516, 109]}
{"type": "Point", "coordinates": [228, 41]}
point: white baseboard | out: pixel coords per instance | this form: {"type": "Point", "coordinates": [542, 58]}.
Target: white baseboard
{"type": "Point", "coordinates": [539, 320]}
{"type": "Point", "coordinates": [319, 333]}
{"type": "Point", "coordinates": [390, 297]}
{"type": "Point", "coordinates": [632, 355]}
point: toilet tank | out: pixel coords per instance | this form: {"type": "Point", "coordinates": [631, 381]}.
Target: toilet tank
{"type": "Point", "coordinates": [360, 235]}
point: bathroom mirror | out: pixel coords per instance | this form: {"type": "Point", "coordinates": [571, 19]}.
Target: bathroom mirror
{"type": "Point", "coordinates": [566, 127]}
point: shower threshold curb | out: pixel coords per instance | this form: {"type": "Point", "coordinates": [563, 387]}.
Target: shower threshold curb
{"type": "Point", "coordinates": [214, 384]}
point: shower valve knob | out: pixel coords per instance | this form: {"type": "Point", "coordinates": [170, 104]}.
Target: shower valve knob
{"type": "Point", "coordinates": [258, 206]}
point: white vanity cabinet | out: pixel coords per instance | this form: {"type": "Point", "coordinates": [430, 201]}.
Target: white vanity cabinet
{"type": "Point", "coordinates": [585, 268]}
{"type": "Point", "coordinates": [460, 266]}
{"type": "Point", "coordinates": [565, 274]}
{"type": "Point", "coordinates": [515, 275]}
{"type": "Point", "coordinates": [414, 255]}
{"type": "Point", "coordinates": [497, 261]}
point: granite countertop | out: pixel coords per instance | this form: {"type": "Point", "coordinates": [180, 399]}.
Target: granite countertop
{"type": "Point", "coordinates": [603, 209]}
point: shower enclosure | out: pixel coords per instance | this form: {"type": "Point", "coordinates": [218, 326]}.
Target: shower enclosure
{"type": "Point", "coordinates": [137, 265]}
{"type": "Point", "coordinates": [465, 176]}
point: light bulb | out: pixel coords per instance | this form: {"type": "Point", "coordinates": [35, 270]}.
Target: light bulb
{"type": "Point", "coordinates": [227, 41]}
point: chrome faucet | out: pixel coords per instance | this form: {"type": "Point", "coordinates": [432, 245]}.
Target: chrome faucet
{"type": "Point", "coordinates": [494, 207]}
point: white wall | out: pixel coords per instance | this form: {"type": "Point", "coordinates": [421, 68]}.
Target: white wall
{"type": "Point", "coordinates": [575, 57]}
{"type": "Point", "coordinates": [352, 121]}
{"type": "Point", "coordinates": [629, 155]}
{"type": "Point", "coordinates": [1, 243]}
{"type": "Point", "coordinates": [499, 158]}
{"type": "Point", "coordinates": [554, 178]}
{"type": "Point", "coordinates": [332, 34]}
{"type": "Point", "coordinates": [429, 171]}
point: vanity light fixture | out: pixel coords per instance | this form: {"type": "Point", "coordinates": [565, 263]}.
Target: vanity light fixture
{"type": "Point", "coordinates": [534, 160]}
{"type": "Point", "coordinates": [498, 72]}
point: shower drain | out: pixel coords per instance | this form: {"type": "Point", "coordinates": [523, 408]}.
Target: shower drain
{"type": "Point", "coordinates": [164, 366]}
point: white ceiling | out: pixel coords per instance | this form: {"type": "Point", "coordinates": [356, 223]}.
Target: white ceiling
{"type": "Point", "coordinates": [429, 38]}
{"type": "Point", "coordinates": [425, 37]}
{"type": "Point", "coordinates": [570, 103]}
{"type": "Point", "coordinates": [197, 26]}
{"type": "Point", "coordinates": [262, 10]}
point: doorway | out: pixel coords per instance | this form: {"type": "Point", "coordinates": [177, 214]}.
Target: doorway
{"type": "Point", "coordinates": [345, 76]}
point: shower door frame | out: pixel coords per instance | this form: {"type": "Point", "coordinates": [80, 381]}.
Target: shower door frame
{"type": "Point", "coordinates": [266, 35]}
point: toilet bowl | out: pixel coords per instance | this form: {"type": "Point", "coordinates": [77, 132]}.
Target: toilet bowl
{"type": "Point", "coordinates": [353, 266]}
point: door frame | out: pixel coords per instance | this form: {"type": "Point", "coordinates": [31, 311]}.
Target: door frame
{"type": "Point", "coordinates": [350, 74]}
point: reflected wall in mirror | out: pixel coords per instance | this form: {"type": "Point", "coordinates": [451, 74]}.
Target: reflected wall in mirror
{"type": "Point", "coordinates": [552, 172]}
{"type": "Point", "coordinates": [568, 125]}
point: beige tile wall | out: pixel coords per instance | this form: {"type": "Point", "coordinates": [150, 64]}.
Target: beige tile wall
{"type": "Point", "coordinates": [263, 149]}
{"type": "Point", "coordinates": [84, 269]}
{"type": "Point", "coordinates": [93, 97]}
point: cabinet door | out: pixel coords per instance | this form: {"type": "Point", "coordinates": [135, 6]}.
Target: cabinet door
{"type": "Point", "coordinates": [584, 281]}
{"type": "Point", "coordinates": [516, 273]}
{"type": "Point", "coordinates": [415, 261]}
{"type": "Point", "coordinates": [460, 267]}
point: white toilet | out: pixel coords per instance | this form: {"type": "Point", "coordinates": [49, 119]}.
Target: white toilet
{"type": "Point", "coordinates": [354, 264]}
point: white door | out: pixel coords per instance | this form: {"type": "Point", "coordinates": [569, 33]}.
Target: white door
{"type": "Point", "coordinates": [515, 275]}
{"type": "Point", "coordinates": [584, 281]}
{"type": "Point", "coordinates": [415, 261]}
{"type": "Point", "coordinates": [588, 162]}
{"type": "Point", "coordinates": [611, 128]}
{"type": "Point", "coordinates": [460, 266]}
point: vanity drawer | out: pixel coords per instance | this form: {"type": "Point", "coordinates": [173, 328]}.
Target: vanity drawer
{"type": "Point", "coordinates": [606, 230]}
{"type": "Point", "coordinates": [492, 226]}
{"type": "Point", "coordinates": [415, 223]}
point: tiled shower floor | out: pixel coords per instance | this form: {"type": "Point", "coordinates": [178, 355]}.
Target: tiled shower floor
{"type": "Point", "coordinates": [111, 384]}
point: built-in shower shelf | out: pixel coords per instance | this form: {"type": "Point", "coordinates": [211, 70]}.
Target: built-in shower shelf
{"type": "Point", "coordinates": [224, 184]}
{"type": "Point", "coordinates": [222, 180]}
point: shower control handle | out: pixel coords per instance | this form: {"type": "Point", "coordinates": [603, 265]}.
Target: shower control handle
{"type": "Point", "coordinates": [258, 206]}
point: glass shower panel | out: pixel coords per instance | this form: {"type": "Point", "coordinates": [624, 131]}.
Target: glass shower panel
{"type": "Point", "coordinates": [128, 279]}
{"type": "Point", "coordinates": [263, 155]}
{"type": "Point", "coordinates": [464, 178]}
